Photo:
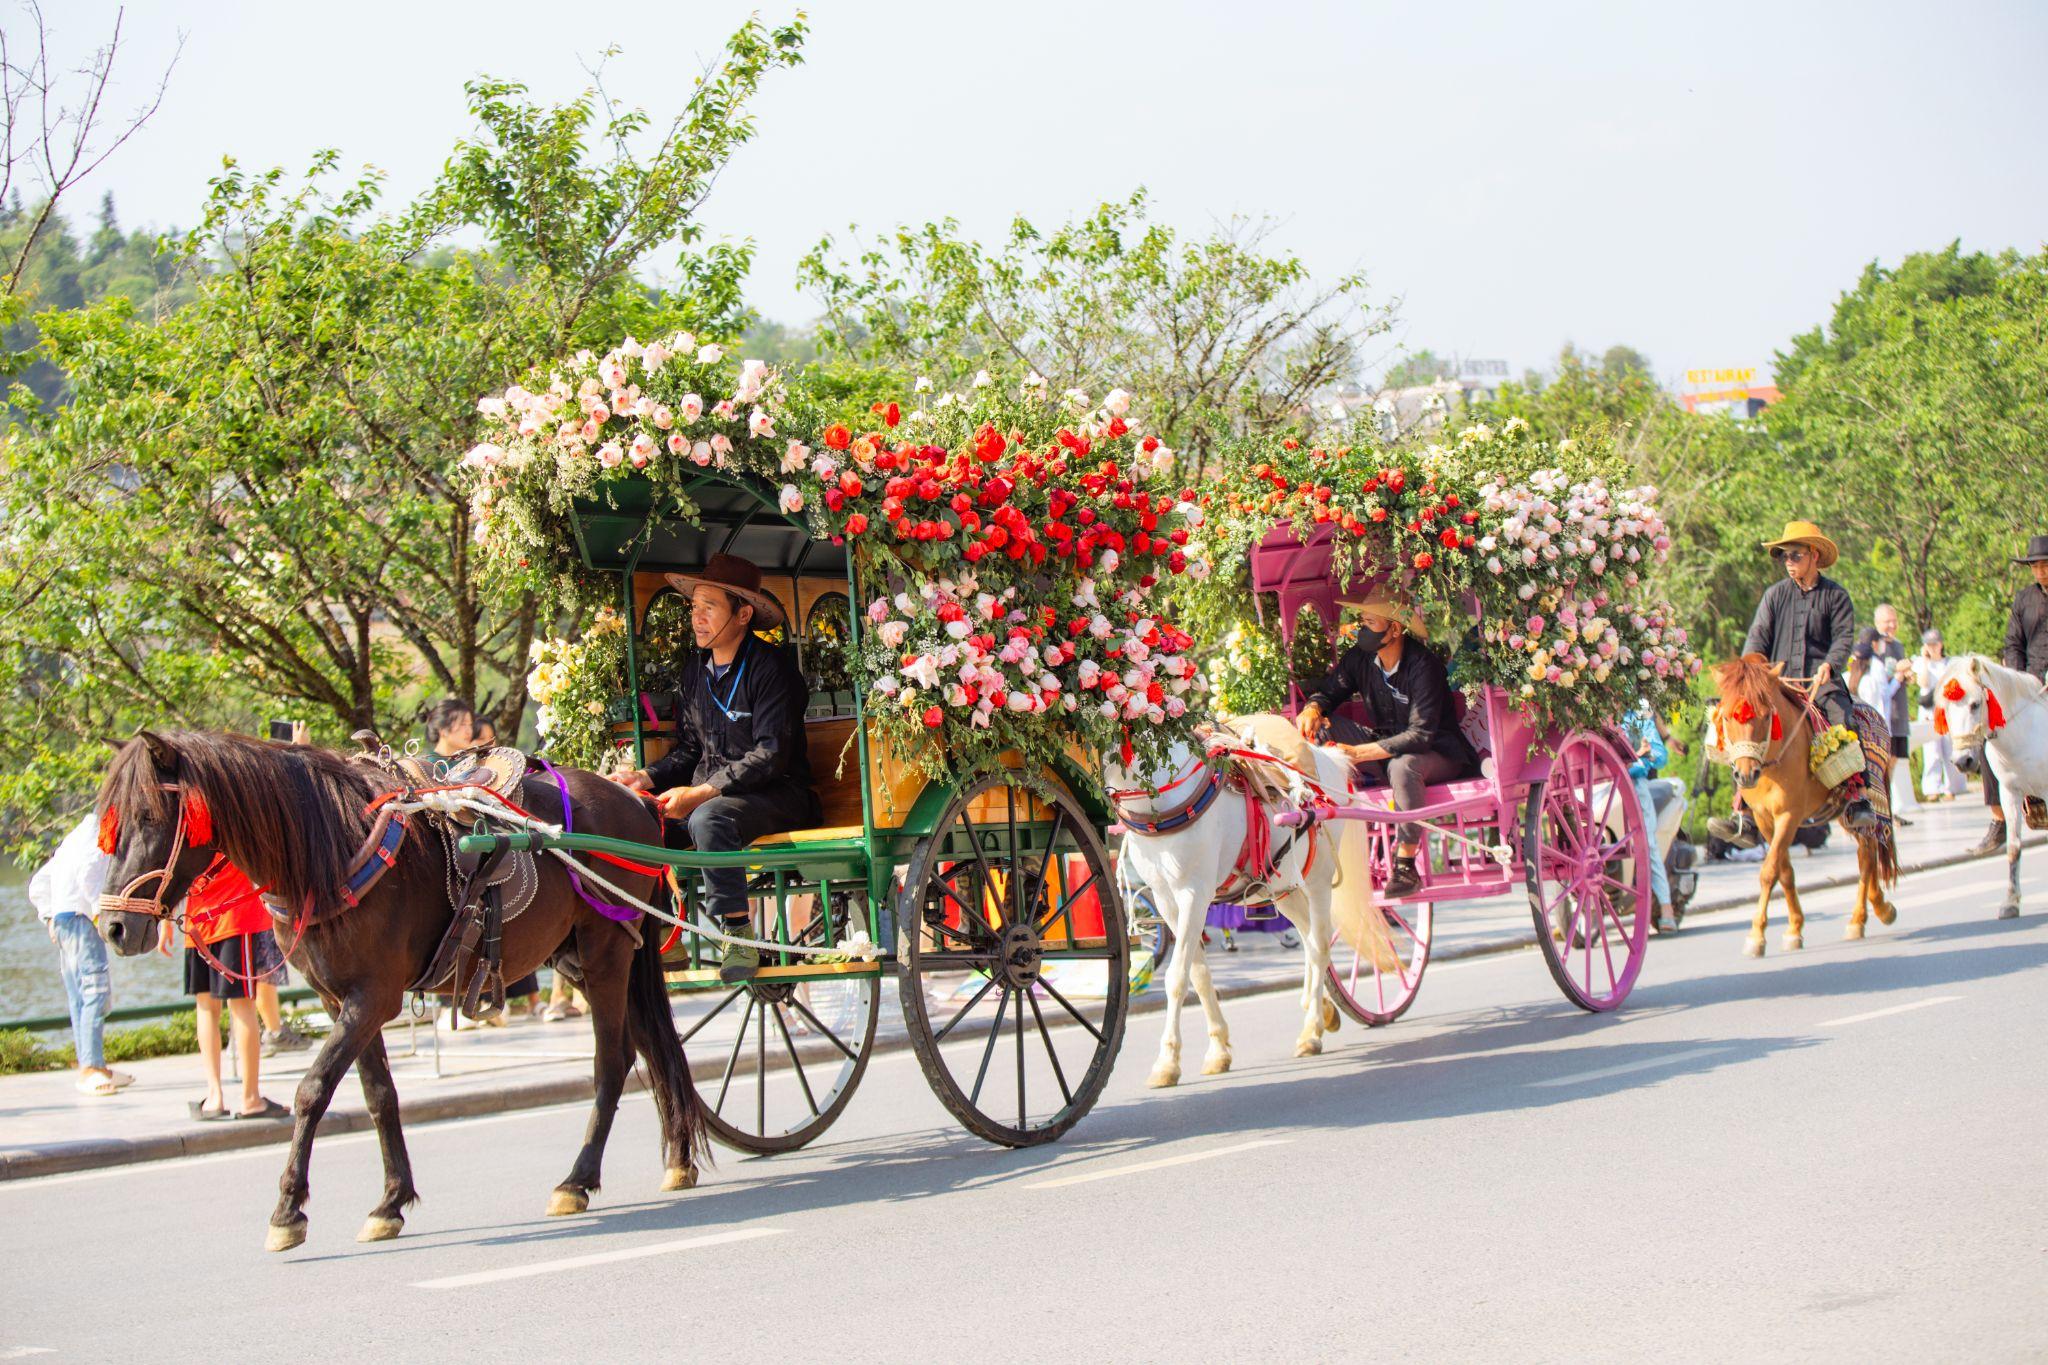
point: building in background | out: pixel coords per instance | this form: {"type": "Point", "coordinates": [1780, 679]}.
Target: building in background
{"type": "Point", "coordinates": [1733, 392]}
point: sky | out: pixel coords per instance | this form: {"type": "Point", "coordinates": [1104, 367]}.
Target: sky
{"type": "Point", "coordinates": [1699, 181]}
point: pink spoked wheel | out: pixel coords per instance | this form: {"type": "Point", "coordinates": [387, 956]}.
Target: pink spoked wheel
{"type": "Point", "coordinates": [1377, 993]}
{"type": "Point", "coordinates": [1588, 855]}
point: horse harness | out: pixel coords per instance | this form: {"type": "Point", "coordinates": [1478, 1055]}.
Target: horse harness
{"type": "Point", "coordinates": [486, 891]}
{"type": "Point", "coordinates": [1250, 880]}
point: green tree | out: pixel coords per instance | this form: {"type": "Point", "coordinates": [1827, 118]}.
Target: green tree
{"type": "Point", "coordinates": [1210, 334]}
{"type": "Point", "coordinates": [249, 502]}
{"type": "Point", "coordinates": [1913, 419]}
{"type": "Point", "coordinates": [1420, 367]}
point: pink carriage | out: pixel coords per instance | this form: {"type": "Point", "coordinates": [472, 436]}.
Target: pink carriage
{"type": "Point", "coordinates": [1556, 815]}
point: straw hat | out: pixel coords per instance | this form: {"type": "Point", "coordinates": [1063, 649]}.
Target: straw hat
{"type": "Point", "coordinates": [1380, 602]}
{"type": "Point", "coordinates": [733, 575]}
{"type": "Point", "coordinates": [1808, 534]}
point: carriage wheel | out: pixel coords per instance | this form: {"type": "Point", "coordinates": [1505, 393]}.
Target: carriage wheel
{"type": "Point", "coordinates": [1588, 856]}
{"type": "Point", "coordinates": [1010, 923]}
{"type": "Point", "coordinates": [797, 1051]}
{"type": "Point", "coordinates": [1376, 995]}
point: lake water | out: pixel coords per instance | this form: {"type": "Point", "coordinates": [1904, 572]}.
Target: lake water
{"type": "Point", "coordinates": [29, 984]}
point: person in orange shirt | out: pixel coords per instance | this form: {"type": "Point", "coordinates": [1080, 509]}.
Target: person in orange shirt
{"type": "Point", "coordinates": [229, 952]}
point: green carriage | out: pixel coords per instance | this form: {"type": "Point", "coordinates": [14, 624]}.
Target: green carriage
{"type": "Point", "coordinates": [990, 897]}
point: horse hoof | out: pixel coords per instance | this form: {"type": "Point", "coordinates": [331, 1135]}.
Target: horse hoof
{"type": "Point", "coordinates": [566, 1201]}
{"type": "Point", "coordinates": [1216, 1065]}
{"type": "Point", "coordinates": [1854, 931]}
{"type": "Point", "coordinates": [1332, 1021]}
{"type": "Point", "coordinates": [284, 1238]}
{"type": "Point", "coordinates": [1794, 942]}
{"type": "Point", "coordinates": [1753, 948]}
{"type": "Point", "coordinates": [2008, 911]}
{"type": "Point", "coordinates": [1308, 1047]}
{"type": "Point", "coordinates": [1162, 1077]}
{"type": "Point", "coordinates": [679, 1178]}
{"type": "Point", "coordinates": [377, 1229]}
{"type": "Point", "coordinates": [1885, 913]}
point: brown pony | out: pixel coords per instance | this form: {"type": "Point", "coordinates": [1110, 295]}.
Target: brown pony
{"type": "Point", "coordinates": [292, 817]}
{"type": "Point", "coordinates": [1768, 737]}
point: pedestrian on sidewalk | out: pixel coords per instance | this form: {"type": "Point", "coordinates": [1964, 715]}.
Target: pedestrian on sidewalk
{"type": "Point", "coordinates": [1940, 778]}
{"type": "Point", "coordinates": [1889, 652]}
{"type": "Point", "coordinates": [229, 950]}
{"type": "Point", "coordinates": [2026, 649]}
{"type": "Point", "coordinates": [1640, 725]}
{"type": "Point", "coordinates": [65, 891]}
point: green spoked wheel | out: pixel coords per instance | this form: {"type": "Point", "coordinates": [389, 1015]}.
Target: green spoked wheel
{"type": "Point", "coordinates": [1015, 960]}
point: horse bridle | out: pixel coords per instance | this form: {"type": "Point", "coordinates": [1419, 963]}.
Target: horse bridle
{"type": "Point", "coordinates": [128, 902]}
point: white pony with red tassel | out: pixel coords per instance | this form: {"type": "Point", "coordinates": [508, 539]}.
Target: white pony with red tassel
{"type": "Point", "coordinates": [1998, 712]}
{"type": "Point", "coordinates": [1199, 829]}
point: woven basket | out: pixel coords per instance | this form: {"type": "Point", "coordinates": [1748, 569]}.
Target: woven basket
{"type": "Point", "coordinates": [1839, 766]}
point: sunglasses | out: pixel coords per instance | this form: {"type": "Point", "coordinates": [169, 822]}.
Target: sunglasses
{"type": "Point", "coordinates": [1788, 555]}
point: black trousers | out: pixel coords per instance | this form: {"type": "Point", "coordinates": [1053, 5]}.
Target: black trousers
{"type": "Point", "coordinates": [725, 824]}
{"type": "Point", "coordinates": [1406, 774]}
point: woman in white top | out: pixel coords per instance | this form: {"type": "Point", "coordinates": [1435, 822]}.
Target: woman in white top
{"type": "Point", "coordinates": [1940, 778]}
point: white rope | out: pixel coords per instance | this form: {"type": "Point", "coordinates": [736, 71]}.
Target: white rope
{"type": "Point", "coordinates": [855, 946]}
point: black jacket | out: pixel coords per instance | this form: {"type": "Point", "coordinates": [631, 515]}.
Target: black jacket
{"type": "Point", "coordinates": [2026, 633]}
{"type": "Point", "coordinates": [1802, 629]}
{"type": "Point", "coordinates": [759, 748]}
{"type": "Point", "coordinates": [1409, 713]}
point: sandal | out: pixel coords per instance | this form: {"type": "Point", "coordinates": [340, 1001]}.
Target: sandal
{"type": "Point", "coordinates": [271, 1110]}
{"type": "Point", "coordinates": [103, 1085]}
{"type": "Point", "coordinates": [198, 1109]}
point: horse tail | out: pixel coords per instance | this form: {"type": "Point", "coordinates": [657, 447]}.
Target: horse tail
{"type": "Point", "coordinates": [685, 1137]}
{"type": "Point", "coordinates": [1888, 859]}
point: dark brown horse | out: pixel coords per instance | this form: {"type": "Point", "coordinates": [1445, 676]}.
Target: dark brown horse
{"type": "Point", "coordinates": [292, 817]}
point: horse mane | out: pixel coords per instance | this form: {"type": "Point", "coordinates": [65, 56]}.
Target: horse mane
{"type": "Point", "coordinates": [1746, 680]}
{"type": "Point", "coordinates": [2015, 685]}
{"type": "Point", "coordinates": [290, 816]}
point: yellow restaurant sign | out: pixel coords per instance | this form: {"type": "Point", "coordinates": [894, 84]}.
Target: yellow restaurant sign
{"type": "Point", "coordinates": [1745, 375]}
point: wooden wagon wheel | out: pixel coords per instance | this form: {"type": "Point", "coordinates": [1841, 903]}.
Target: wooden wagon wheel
{"type": "Point", "coordinates": [799, 1049]}
{"type": "Point", "coordinates": [1009, 918]}
{"type": "Point", "coordinates": [1588, 856]}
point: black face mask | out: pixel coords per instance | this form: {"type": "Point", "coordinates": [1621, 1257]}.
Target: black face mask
{"type": "Point", "coordinates": [1369, 639]}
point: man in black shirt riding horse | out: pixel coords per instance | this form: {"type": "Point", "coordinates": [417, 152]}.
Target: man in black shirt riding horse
{"type": "Point", "coordinates": [1410, 740]}
{"type": "Point", "coordinates": [739, 769]}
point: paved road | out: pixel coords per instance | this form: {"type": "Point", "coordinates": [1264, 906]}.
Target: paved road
{"type": "Point", "coordinates": [1839, 1154]}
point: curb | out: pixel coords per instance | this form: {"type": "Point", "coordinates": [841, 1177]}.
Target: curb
{"type": "Point", "coordinates": [25, 1163]}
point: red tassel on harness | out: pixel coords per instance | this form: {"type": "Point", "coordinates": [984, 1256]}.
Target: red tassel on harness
{"type": "Point", "coordinates": [198, 820]}
{"type": "Point", "coordinates": [1128, 751]}
{"type": "Point", "coordinates": [110, 830]}
{"type": "Point", "coordinates": [1743, 714]}
{"type": "Point", "coordinates": [1953, 692]}
{"type": "Point", "coordinates": [1941, 720]}
{"type": "Point", "coordinates": [1777, 728]}
{"type": "Point", "coordinates": [1994, 715]}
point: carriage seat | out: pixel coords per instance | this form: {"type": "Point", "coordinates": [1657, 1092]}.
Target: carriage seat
{"type": "Point", "coordinates": [840, 815]}
{"type": "Point", "coordinates": [1463, 790]}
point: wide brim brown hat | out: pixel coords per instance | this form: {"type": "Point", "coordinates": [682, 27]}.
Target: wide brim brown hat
{"type": "Point", "coordinates": [1379, 603]}
{"type": "Point", "coordinates": [1807, 534]}
{"type": "Point", "coordinates": [736, 576]}
{"type": "Point", "coordinates": [2037, 551]}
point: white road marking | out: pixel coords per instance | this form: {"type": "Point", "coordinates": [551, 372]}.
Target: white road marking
{"type": "Point", "coordinates": [1134, 1168]}
{"type": "Point", "coordinates": [1624, 1068]}
{"type": "Point", "coordinates": [520, 1272]}
{"type": "Point", "coordinates": [1895, 1009]}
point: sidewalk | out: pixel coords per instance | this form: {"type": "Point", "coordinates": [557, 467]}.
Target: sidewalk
{"type": "Point", "coordinates": [47, 1128]}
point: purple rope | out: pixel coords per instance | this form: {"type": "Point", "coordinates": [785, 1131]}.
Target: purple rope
{"type": "Point", "coordinates": [605, 908]}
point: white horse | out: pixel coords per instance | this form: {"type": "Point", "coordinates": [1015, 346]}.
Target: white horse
{"type": "Point", "coordinates": [1998, 712]}
{"type": "Point", "coordinates": [1186, 865]}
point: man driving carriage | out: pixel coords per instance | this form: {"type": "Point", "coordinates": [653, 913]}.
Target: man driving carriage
{"type": "Point", "coordinates": [739, 769]}
{"type": "Point", "coordinates": [1807, 623]}
{"type": "Point", "coordinates": [1411, 739]}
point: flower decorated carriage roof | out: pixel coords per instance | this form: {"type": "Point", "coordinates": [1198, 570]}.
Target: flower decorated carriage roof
{"type": "Point", "coordinates": [736, 514]}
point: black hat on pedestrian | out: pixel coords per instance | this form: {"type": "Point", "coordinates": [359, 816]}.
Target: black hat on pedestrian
{"type": "Point", "coordinates": [2037, 550]}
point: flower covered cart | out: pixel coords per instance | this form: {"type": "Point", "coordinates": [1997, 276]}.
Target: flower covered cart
{"type": "Point", "coordinates": [1530, 552]}
{"type": "Point", "coordinates": [969, 601]}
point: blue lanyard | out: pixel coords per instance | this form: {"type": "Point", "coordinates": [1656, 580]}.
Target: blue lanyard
{"type": "Point", "coordinates": [730, 692]}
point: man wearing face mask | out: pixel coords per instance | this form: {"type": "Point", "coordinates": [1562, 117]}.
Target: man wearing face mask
{"type": "Point", "coordinates": [1410, 740]}
{"type": "Point", "coordinates": [739, 769]}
